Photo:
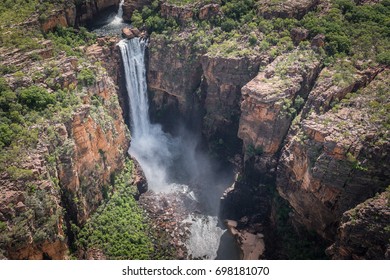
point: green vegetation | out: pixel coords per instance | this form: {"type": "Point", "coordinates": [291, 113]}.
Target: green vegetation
{"type": "Point", "coordinates": [18, 111]}
{"type": "Point", "coordinates": [13, 13]}
{"type": "Point", "coordinates": [70, 39]}
{"type": "Point", "coordinates": [17, 11]}
{"type": "Point", "coordinates": [41, 219]}
{"type": "Point", "coordinates": [252, 151]}
{"type": "Point", "coordinates": [359, 31]}
{"type": "Point", "coordinates": [119, 227]}
{"type": "Point", "coordinates": [87, 77]}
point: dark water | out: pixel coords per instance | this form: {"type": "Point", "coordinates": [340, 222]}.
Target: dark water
{"type": "Point", "coordinates": [109, 23]}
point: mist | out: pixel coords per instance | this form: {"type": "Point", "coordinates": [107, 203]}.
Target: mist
{"type": "Point", "coordinates": [174, 163]}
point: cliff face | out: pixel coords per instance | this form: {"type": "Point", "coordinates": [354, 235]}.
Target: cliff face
{"type": "Point", "coordinates": [334, 161]}
{"type": "Point", "coordinates": [74, 14]}
{"type": "Point", "coordinates": [308, 122]}
{"type": "Point", "coordinates": [223, 79]}
{"type": "Point", "coordinates": [96, 143]}
{"type": "Point", "coordinates": [87, 10]}
{"type": "Point", "coordinates": [64, 17]}
{"type": "Point", "coordinates": [364, 231]}
{"type": "Point", "coordinates": [270, 102]}
{"type": "Point", "coordinates": [174, 74]}
{"type": "Point", "coordinates": [49, 188]}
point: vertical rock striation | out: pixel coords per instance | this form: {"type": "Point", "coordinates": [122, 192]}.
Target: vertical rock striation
{"type": "Point", "coordinates": [223, 79]}
{"type": "Point", "coordinates": [334, 161]}
{"type": "Point", "coordinates": [364, 231]}
{"type": "Point", "coordinates": [270, 102]}
{"type": "Point", "coordinates": [68, 173]}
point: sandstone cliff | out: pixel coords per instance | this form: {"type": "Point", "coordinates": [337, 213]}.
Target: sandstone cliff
{"type": "Point", "coordinates": [270, 102]}
{"type": "Point", "coordinates": [335, 160]}
{"type": "Point", "coordinates": [223, 79]}
{"type": "Point", "coordinates": [56, 185]}
{"type": "Point", "coordinates": [364, 231]}
{"type": "Point", "coordinates": [174, 74]}
{"type": "Point", "coordinates": [286, 8]}
{"type": "Point", "coordinates": [75, 13]}
{"type": "Point", "coordinates": [129, 6]}
{"type": "Point", "coordinates": [306, 126]}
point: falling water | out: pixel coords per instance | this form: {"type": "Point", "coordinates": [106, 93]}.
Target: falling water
{"type": "Point", "coordinates": [162, 157]}
{"type": "Point", "coordinates": [154, 149]}
{"type": "Point", "coordinates": [110, 24]}
{"type": "Point", "coordinates": [118, 18]}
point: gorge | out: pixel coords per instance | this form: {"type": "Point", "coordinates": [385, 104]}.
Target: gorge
{"type": "Point", "coordinates": [256, 132]}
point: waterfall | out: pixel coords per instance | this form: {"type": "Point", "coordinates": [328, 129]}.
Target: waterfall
{"type": "Point", "coordinates": [133, 52]}
{"type": "Point", "coordinates": [165, 158]}
{"type": "Point", "coordinates": [154, 149]}
{"type": "Point", "coordinates": [118, 18]}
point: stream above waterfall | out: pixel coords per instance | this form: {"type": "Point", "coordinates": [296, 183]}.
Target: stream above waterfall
{"type": "Point", "coordinates": [109, 23]}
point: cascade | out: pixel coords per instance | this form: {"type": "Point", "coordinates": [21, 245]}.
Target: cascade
{"type": "Point", "coordinates": [164, 158]}
{"type": "Point", "coordinates": [118, 18]}
{"type": "Point", "coordinates": [154, 149]}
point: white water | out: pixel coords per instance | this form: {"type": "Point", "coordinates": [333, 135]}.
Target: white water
{"type": "Point", "coordinates": [154, 149]}
{"type": "Point", "coordinates": [111, 24]}
{"type": "Point", "coordinates": [163, 156]}
{"type": "Point", "coordinates": [205, 235]}
{"type": "Point", "coordinates": [118, 18]}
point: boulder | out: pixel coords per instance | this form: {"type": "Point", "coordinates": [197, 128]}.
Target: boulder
{"type": "Point", "coordinates": [299, 34]}
{"type": "Point", "coordinates": [209, 11]}
{"type": "Point", "coordinates": [251, 245]}
{"type": "Point", "coordinates": [130, 33]}
{"type": "Point", "coordinates": [127, 33]}
{"type": "Point", "coordinates": [318, 41]}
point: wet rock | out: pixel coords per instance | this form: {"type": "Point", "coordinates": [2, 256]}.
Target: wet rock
{"type": "Point", "coordinates": [251, 246]}
{"type": "Point", "coordinates": [139, 178]}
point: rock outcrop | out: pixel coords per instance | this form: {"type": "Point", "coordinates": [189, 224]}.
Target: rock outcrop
{"type": "Point", "coordinates": [329, 89]}
{"type": "Point", "coordinates": [222, 83]}
{"type": "Point", "coordinates": [251, 245]}
{"type": "Point", "coordinates": [68, 173]}
{"type": "Point", "coordinates": [181, 13]}
{"type": "Point", "coordinates": [364, 231]}
{"type": "Point", "coordinates": [64, 18]}
{"type": "Point", "coordinates": [336, 160]}
{"type": "Point", "coordinates": [209, 11]}
{"type": "Point", "coordinates": [270, 102]}
{"type": "Point", "coordinates": [129, 6]}
{"type": "Point", "coordinates": [87, 10]}
{"type": "Point", "coordinates": [286, 8]}
{"type": "Point", "coordinates": [75, 14]}
{"type": "Point", "coordinates": [174, 72]}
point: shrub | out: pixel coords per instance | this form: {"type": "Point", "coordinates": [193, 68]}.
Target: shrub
{"type": "Point", "coordinates": [252, 40]}
{"type": "Point", "coordinates": [36, 98]}
{"type": "Point", "coordinates": [384, 58]}
{"type": "Point", "coordinates": [136, 19]}
{"type": "Point", "coordinates": [87, 77]}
